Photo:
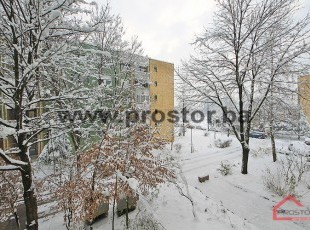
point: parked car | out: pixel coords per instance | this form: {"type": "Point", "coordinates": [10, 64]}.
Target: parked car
{"type": "Point", "coordinates": [258, 134]}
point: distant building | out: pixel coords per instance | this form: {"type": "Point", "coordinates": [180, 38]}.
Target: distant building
{"type": "Point", "coordinates": [162, 95]}
{"type": "Point", "coordinates": [156, 93]}
{"type": "Point", "coordinates": [304, 95]}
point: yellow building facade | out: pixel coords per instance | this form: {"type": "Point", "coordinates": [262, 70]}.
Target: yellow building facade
{"type": "Point", "coordinates": [162, 97]}
{"type": "Point", "coordinates": [304, 95]}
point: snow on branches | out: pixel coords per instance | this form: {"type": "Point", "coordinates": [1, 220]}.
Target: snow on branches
{"type": "Point", "coordinates": [122, 165]}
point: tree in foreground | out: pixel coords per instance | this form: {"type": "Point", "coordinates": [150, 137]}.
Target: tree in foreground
{"type": "Point", "coordinates": [253, 45]}
{"type": "Point", "coordinates": [126, 163]}
{"type": "Point", "coordinates": [35, 35]}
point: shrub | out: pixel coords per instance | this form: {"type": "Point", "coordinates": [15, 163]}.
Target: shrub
{"type": "Point", "coordinates": [278, 183]}
{"type": "Point", "coordinates": [286, 176]}
{"type": "Point", "coordinates": [145, 221]}
{"type": "Point", "coordinates": [178, 148]}
{"type": "Point", "coordinates": [225, 169]}
{"type": "Point", "coordinates": [222, 143]}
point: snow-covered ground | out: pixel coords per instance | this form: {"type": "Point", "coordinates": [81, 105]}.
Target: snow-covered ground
{"type": "Point", "coordinates": [224, 202]}
{"type": "Point", "coordinates": [244, 195]}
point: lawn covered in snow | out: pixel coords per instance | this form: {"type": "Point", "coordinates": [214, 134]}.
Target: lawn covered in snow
{"type": "Point", "coordinates": [234, 201]}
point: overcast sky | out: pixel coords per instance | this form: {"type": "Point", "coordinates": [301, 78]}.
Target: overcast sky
{"type": "Point", "coordinates": [166, 27]}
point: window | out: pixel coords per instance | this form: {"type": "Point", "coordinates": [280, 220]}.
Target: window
{"type": "Point", "coordinates": [142, 98]}
{"type": "Point", "coordinates": [155, 97]}
{"type": "Point", "coordinates": [108, 82]}
{"type": "Point", "coordinates": [155, 83]}
{"type": "Point", "coordinates": [1, 144]}
{"type": "Point", "coordinates": [155, 68]}
{"type": "Point", "coordinates": [12, 142]}
{"type": "Point", "coordinates": [10, 114]}
{"type": "Point", "coordinates": [31, 113]}
{"type": "Point", "coordinates": [33, 150]}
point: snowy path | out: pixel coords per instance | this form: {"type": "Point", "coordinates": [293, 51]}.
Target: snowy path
{"type": "Point", "coordinates": [196, 163]}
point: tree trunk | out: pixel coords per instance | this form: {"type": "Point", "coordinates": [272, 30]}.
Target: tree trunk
{"type": "Point", "coordinates": [271, 125]}
{"type": "Point", "coordinates": [273, 145]}
{"type": "Point", "coordinates": [245, 159]}
{"type": "Point", "coordinates": [114, 203]}
{"type": "Point", "coordinates": [30, 200]}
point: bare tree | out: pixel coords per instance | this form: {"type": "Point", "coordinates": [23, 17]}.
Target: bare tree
{"type": "Point", "coordinates": [280, 113]}
{"type": "Point", "coordinates": [232, 67]}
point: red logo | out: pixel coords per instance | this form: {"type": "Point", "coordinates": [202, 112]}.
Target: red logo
{"type": "Point", "coordinates": [299, 214]}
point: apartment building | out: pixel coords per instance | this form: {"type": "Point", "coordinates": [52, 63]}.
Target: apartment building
{"type": "Point", "coordinates": [152, 89]}
{"type": "Point", "coordinates": [162, 96]}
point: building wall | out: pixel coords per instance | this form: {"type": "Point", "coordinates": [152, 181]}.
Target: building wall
{"type": "Point", "coordinates": [304, 95]}
{"type": "Point", "coordinates": [9, 142]}
{"type": "Point", "coordinates": [162, 96]}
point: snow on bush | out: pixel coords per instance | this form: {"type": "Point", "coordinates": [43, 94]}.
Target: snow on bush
{"type": "Point", "coordinates": [260, 152]}
{"type": "Point", "coordinates": [123, 165]}
{"type": "Point", "coordinates": [57, 148]}
{"type": "Point", "coordinates": [145, 221]}
{"type": "Point", "coordinates": [178, 148]}
{"type": "Point", "coordinates": [278, 183]}
{"type": "Point", "coordinates": [222, 142]}
{"type": "Point", "coordinates": [225, 168]}
{"type": "Point", "coordinates": [285, 177]}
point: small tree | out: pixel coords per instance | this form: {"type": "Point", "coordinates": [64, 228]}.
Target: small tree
{"type": "Point", "coordinates": [36, 36]}
{"type": "Point", "coordinates": [127, 162]}
{"type": "Point", "coordinates": [11, 192]}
